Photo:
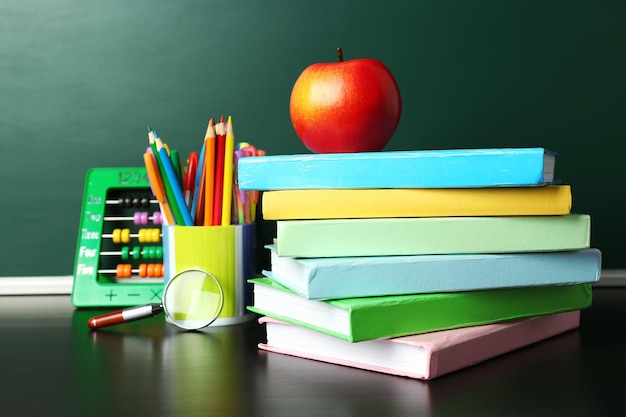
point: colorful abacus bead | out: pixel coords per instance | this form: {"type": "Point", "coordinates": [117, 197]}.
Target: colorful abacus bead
{"type": "Point", "coordinates": [152, 252]}
{"type": "Point", "coordinates": [121, 235]}
{"type": "Point", "coordinates": [149, 235]}
{"type": "Point", "coordinates": [125, 253]}
{"type": "Point", "coordinates": [137, 252]}
{"type": "Point", "coordinates": [123, 271]}
{"type": "Point", "coordinates": [132, 202]}
{"type": "Point", "coordinates": [139, 218]}
{"type": "Point", "coordinates": [142, 218]}
{"type": "Point", "coordinates": [151, 270]}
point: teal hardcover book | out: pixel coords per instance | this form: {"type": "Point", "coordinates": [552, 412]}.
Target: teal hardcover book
{"type": "Point", "coordinates": [431, 235]}
{"type": "Point", "coordinates": [349, 277]}
{"type": "Point", "coordinates": [451, 168]}
{"type": "Point", "coordinates": [368, 318]}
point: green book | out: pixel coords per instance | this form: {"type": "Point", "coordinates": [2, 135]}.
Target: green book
{"type": "Point", "coordinates": [431, 236]}
{"type": "Point", "coordinates": [358, 319]}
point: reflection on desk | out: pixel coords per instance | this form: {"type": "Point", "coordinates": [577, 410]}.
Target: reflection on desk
{"type": "Point", "coordinates": [53, 365]}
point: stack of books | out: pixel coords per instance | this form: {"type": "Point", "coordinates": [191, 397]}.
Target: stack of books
{"type": "Point", "coordinates": [418, 263]}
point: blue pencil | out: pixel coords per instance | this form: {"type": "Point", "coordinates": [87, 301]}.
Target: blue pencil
{"type": "Point", "coordinates": [176, 189]}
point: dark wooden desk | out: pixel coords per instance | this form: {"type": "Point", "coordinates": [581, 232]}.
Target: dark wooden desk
{"type": "Point", "coordinates": [52, 365]}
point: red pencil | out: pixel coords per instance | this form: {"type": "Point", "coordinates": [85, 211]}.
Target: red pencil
{"type": "Point", "coordinates": [209, 173]}
{"type": "Point", "coordinates": [218, 189]}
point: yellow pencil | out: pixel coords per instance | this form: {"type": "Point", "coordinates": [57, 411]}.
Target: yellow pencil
{"type": "Point", "coordinates": [228, 173]}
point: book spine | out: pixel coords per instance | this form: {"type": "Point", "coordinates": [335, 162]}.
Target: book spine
{"type": "Point", "coordinates": [445, 235]}
{"type": "Point", "coordinates": [465, 309]}
{"type": "Point", "coordinates": [417, 169]}
{"type": "Point", "coordinates": [359, 319]}
{"type": "Point", "coordinates": [439, 202]}
{"type": "Point", "coordinates": [519, 334]}
{"type": "Point", "coordinates": [375, 276]}
{"type": "Point", "coordinates": [460, 352]}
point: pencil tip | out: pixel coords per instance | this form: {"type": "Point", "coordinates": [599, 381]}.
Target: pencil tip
{"type": "Point", "coordinates": [210, 130]}
{"type": "Point", "coordinates": [229, 126]}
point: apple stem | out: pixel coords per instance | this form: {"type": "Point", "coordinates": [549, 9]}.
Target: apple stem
{"type": "Point", "coordinates": [339, 54]}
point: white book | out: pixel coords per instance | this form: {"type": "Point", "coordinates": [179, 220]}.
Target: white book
{"type": "Point", "coordinates": [424, 356]}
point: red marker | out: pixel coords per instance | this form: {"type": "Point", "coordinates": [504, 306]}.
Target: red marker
{"type": "Point", "coordinates": [125, 315]}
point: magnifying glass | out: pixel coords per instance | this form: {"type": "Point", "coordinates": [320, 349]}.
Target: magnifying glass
{"type": "Point", "coordinates": [192, 299]}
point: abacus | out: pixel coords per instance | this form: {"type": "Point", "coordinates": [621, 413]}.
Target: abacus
{"type": "Point", "coordinates": [119, 255]}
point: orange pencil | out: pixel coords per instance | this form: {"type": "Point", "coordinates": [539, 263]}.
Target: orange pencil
{"type": "Point", "coordinates": [209, 173]}
{"type": "Point", "coordinates": [157, 186]}
{"type": "Point", "coordinates": [220, 133]}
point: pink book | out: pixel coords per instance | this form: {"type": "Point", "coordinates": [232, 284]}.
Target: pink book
{"type": "Point", "coordinates": [424, 356]}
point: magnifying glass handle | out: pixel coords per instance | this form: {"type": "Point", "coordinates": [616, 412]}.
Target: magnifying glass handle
{"type": "Point", "coordinates": [125, 315]}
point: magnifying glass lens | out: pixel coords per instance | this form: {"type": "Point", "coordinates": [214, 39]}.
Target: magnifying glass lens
{"type": "Point", "coordinates": [193, 299]}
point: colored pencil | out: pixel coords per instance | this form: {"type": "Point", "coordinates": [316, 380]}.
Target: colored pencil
{"type": "Point", "coordinates": [219, 171]}
{"type": "Point", "coordinates": [204, 191]}
{"type": "Point", "coordinates": [156, 183]}
{"type": "Point", "coordinates": [209, 173]}
{"type": "Point", "coordinates": [227, 192]}
{"type": "Point", "coordinates": [169, 175]}
{"type": "Point", "coordinates": [166, 182]}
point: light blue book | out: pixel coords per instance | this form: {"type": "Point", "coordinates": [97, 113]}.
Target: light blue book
{"type": "Point", "coordinates": [453, 168]}
{"type": "Point", "coordinates": [350, 277]}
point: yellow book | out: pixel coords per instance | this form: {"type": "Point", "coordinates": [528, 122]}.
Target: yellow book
{"type": "Point", "coordinates": [416, 202]}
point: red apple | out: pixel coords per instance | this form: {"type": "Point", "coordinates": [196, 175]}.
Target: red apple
{"type": "Point", "coordinates": [345, 106]}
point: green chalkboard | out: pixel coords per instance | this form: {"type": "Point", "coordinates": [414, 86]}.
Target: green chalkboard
{"type": "Point", "coordinates": [81, 80]}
